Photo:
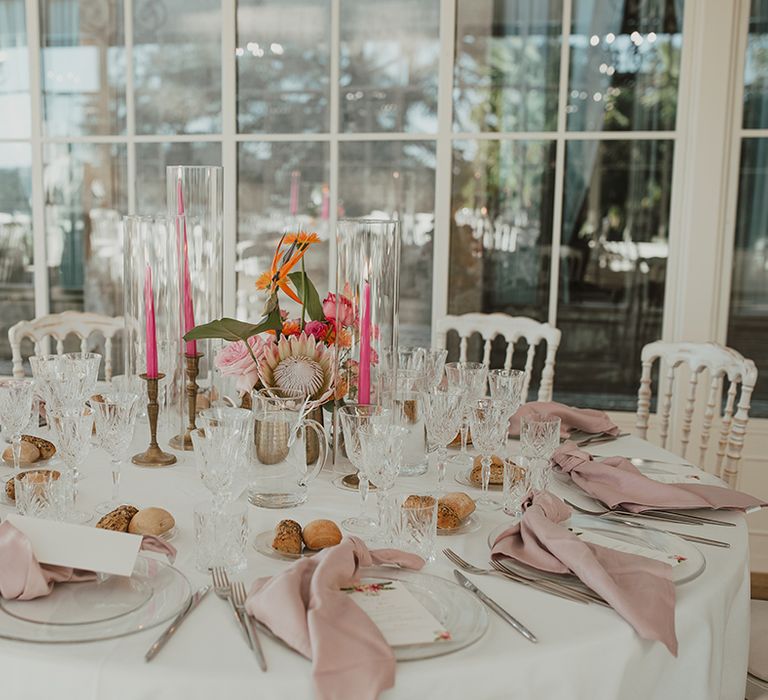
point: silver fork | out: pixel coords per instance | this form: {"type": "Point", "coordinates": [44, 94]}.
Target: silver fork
{"type": "Point", "coordinates": [237, 589]}
{"type": "Point", "coordinates": [538, 584]}
{"type": "Point", "coordinates": [222, 589]}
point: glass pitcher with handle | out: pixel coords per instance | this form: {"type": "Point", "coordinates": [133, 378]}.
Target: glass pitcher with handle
{"type": "Point", "coordinates": [289, 449]}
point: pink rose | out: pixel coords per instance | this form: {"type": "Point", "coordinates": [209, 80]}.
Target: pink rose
{"type": "Point", "coordinates": [346, 312]}
{"type": "Point", "coordinates": [234, 360]}
{"type": "Point", "coordinates": [318, 329]}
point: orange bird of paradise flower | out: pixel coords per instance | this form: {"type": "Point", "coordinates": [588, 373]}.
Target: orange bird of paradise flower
{"type": "Point", "coordinates": [277, 275]}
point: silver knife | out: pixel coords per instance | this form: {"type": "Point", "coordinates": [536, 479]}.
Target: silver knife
{"type": "Point", "coordinates": [493, 605]}
{"type": "Point", "coordinates": [682, 535]}
{"type": "Point", "coordinates": [169, 631]}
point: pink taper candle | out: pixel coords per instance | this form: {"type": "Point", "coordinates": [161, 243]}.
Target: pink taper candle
{"type": "Point", "coordinates": [190, 347]}
{"type": "Point", "coordinates": [364, 370]}
{"type": "Point", "coordinates": [149, 313]}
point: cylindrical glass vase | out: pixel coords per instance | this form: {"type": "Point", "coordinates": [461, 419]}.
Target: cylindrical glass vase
{"type": "Point", "coordinates": [150, 251]}
{"type": "Point", "coordinates": [196, 193]}
{"type": "Point", "coordinates": [367, 306]}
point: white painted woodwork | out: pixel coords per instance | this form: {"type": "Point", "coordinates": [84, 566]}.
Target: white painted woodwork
{"type": "Point", "coordinates": [58, 327]}
{"type": "Point", "coordinates": [720, 363]}
{"type": "Point", "coordinates": [512, 329]}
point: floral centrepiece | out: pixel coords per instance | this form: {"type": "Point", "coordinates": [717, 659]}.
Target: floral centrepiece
{"type": "Point", "coordinates": [299, 364]}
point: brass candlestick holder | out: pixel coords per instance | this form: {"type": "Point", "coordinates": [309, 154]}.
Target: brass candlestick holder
{"type": "Point", "coordinates": [184, 440]}
{"type": "Point", "coordinates": [153, 456]}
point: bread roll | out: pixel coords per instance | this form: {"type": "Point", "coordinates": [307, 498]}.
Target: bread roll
{"type": "Point", "coordinates": [28, 454]}
{"type": "Point", "coordinates": [446, 517]}
{"type": "Point", "coordinates": [46, 447]}
{"type": "Point", "coordinates": [287, 537]}
{"type": "Point", "coordinates": [320, 534]}
{"type": "Point", "coordinates": [460, 503]}
{"type": "Point", "coordinates": [497, 471]}
{"type": "Point", "coordinates": [151, 521]}
{"type": "Point", "coordinates": [119, 519]}
{"type": "Point", "coordinates": [414, 501]}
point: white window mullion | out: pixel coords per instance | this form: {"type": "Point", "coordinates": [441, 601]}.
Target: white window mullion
{"type": "Point", "coordinates": [333, 155]}
{"type": "Point", "coordinates": [130, 109]}
{"type": "Point", "coordinates": [562, 125]}
{"type": "Point", "coordinates": [229, 148]}
{"type": "Point", "coordinates": [441, 243]}
{"type": "Point", "coordinates": [42, 297]}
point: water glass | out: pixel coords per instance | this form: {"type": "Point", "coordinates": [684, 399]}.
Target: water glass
{"type": "Point", "coordinates": [221, 536]}
{"type": "Point", "coordinates": [507, 385]}
{"type": "Point", "coordinates": [220, 460]}
{"type": "Point", "coordinates": [415, 519]}
{"type": "Point", "coordinates": [443, 410]}
{"type": "Point", "coordinates": [407, 409]}
{"type": "Point", "coordinates": [434, 366]}
{"type": "Point", "coordinates": [16, 400]}
{"type": "Point", "coordinates": [470, 378]}
{"type": "Point", "coordinates": [73, 443]}
{"type": "Point", "coordinates": [489, 422]}
{"type": "Point", "coordinates": [539, 438]}
{"type": "Point", "coordinates": [66, 381]}
{"type": "Point", "coordinates": [516, 486]}
{"type": "Point", "coordinates": [40, 494]}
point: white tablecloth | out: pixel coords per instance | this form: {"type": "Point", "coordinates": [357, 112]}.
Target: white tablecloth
{"type": "Point", "coordinates": [584, 651]}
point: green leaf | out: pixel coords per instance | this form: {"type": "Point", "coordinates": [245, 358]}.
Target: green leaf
{"type": "Point", "coordinates": [307, 292]}
{"type": "Point", "coordinates": [232, 330]}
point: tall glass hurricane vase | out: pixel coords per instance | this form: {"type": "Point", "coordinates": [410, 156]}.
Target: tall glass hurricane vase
{"type": "Point", "coordinates": [195, 193]}
{"type": "Point", "coordinates": [367, 305]}
{"type": "Point", "coordinates": [151, 263]}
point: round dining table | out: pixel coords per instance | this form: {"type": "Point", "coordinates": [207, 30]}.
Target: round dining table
{"type": "Point", "coordinates": [583, 651]}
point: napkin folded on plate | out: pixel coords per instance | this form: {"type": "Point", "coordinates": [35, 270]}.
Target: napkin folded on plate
{"type": "Point", "coordinates": [615, 481]}
{"type": "Point", "coordinates": [638, 588]}
{"type": "Point", "coordinates": [306, 607]}
{"type": "Point", "coordinates": [588, 420]}
{"type": "Point", "coordinates": [22, 577]}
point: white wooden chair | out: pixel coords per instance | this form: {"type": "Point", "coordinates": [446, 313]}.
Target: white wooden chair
{"type": "Point", "coordinates": [512, 329]}
{"type": "Point", "coordinates": [720, 362]}
{"type": "Point", "coordinates": [59, 326]}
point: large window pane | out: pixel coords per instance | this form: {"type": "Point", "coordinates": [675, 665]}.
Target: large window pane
{"type": "Point", "coordinates": [281, 186]}
{"type": "Point", "coordinates": [613, 261]}
{"type": "Point", "coordinates": [748, 323]}
{"type": "Point", "coordinates": [14, 71]}
{"type": "Point", "coordinates": [152, 160]}
{"type": "Point", "coordinates": [756, 68]}
{"type": "Point", "coordinates": [506, 74]}
{"type": "Point", "coordinates": [625, 64]}
{"type": "Point", "coordinates": [177, 66]}
{"type": "Point", "coordinates": [85, 195]}
{"type": "Point", "coordinates": [16, 278]}
{"type": "Point", "coordinates": [389, 64]}
{"type": "Point", "coordinates": [396, 179]}
{"type": "Point", "coordinates": [83, 67]}
{"type": "Point", "coordinates": [283, 57]}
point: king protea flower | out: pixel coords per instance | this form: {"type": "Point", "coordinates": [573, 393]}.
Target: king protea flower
{"type": "Point", "coordinates": [300, 364]}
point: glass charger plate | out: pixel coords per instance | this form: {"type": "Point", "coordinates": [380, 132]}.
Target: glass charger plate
{"type": "Point", "coordinates": [689, 568]}
{"type": "Point", "coordinates": [463, 615]}
{"type": "Point", "coordinates": [170, 593]}
{"type": "Point", "coordinates": [263, 545]}
{"type": "Point", "coordinates": [470, 524]}
{"type": "Point", "coordinates": [462, 478]}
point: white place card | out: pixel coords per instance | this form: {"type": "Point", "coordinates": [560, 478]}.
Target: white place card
{"type": "Point", "coordinates": [79, 546]}
{"type": "Point", "coordinates": [612, 543]}
{"type": "Point", "coordinates": [400, 617]}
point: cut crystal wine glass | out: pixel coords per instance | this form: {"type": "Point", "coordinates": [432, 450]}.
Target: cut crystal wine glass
{"type": "Point", "coordinates": [73, 443]}
{"type": "Point", "coordinates": [539, 438]}
{"type": "Point", "coordinates": [16, 397]}
{"type": "Point", "coordinates": [488, 420]}
{"type": "Point", "coordinates": [470, 378]}
{"type": "Point", "coordinates": [444, 413]}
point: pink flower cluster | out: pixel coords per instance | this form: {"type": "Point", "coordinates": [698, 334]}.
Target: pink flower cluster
{"type": "Point", "coordinates": [234, 360]}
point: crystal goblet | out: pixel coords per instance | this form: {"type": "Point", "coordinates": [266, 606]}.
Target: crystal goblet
{"type": "Point", "coordinates": [73, 443]}
{"type": "Point", "coordinates": [539, 438]}
{"type": "Point", "coordinates": [16, 397]}
{"type": "Point", "coordinates": [470, 378]}
{"type": "Point", "coordinates": [488, 420]}
{"type": "Point", "coordinates": [444, 413]}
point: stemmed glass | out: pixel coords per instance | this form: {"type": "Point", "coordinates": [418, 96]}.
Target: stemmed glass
{"type": "Point", "coordinates": [381, 454]}
{"type": "Point", "coordinates": [15, 412]}
{"type": "Point", "coordinates": [469, 378]}
{"type": "Point", "coordinates": [539, 438]}
{"type": "Point", "coordinates": [434, 365]}
{"type": "Point", "coordinates": [115, 417]}
{"type": "Point", "coordinates": [353, 417]}
{"type": "Point", "coordinates": [488, 419]}
{"type": "Point", "coordinates": [73, 442]}
{"type": "Point", "coordinates": [507, 386]}
{"type": "Point", "coordinates": [65, 381]}
{"type": "Point", "coordinates": [444, 415]}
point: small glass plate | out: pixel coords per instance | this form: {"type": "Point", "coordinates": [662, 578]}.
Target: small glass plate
{"type": "Point", "coordinates": [462, 477]}
{"type": "Point", "coordinates": [455, 608]}
{"type": "Point", "coordinates": [350, 482]}
{"type": "Point", "coordinates": [263, 545]}
{"type": "Point", "coordinates": [169, 535]}
{"type": "Point", "coordinates": [689, 568]}
{"type": "Point", "coordinates": [170, 593]}
{"type": "Point", "coordinates": [470, 524]}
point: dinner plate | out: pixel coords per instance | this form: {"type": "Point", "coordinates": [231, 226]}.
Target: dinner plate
{"type": "Point", "coordinates": [263, 545]}
{"type": "Point", "coordinates": [462, 477]}
{"type": "Point", "coordinates": [470, 524]}
{"type": "Point", "coordinates": [169, 589]}
{"type": "Point", "coordinates": [686, 559]}
{"type": "Point", "coordinates": [455, 608]}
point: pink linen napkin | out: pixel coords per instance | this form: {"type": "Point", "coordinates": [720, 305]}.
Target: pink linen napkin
{"type": "Point", "coordinates": [306, 608]}
{"type": "Point", "coordinates": [638, 588]}
{"type": "Point", "coordinates": [23, 577]}
{"type": "Point", "coordinates": [615, 481]}
{"type": "Point", "coordinates": [589, 420]}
